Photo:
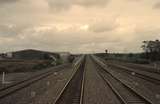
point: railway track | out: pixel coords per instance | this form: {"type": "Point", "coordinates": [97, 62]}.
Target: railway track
{"type": "Point", "coordinates": [13, 88]}
{"type": "Point", "coordinates": [152, 77]}
{"type": "Point", "coordinates": [126, 92]}
{"type": "Point", "coordinates": [72, 93]}
{"type": "Point", "coordinates": [139, 75]}
{"type": "Point", "coordinates": [150, 69]}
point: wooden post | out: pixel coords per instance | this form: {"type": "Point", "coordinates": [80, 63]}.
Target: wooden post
{"type": "Point", "coordinates": [156, 66]}
{"type": "Point", "coordinates": [3, 78]}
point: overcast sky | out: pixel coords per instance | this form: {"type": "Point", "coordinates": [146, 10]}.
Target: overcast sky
{"type": "Point", "coordinates": [78, 25]}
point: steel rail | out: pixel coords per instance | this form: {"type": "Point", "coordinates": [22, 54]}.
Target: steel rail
{"type": "Point", "coordinates": [83, 82]}
{"type": "Point", "coordinates": [114, 90]}
{"type": "Point", "coordinates": [66, 86]}
{"type": "Point", "coordinates": [134, 90]}
{"type": "Point", "coordinates": [26, 82]}
{"type": "Point", "coordinates": [123, 100]}
{"type": "Point", "coordinates": [141, 74]}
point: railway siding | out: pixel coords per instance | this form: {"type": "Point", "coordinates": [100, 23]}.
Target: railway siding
{"type": "Point", "coordinates": [141, 90]}
{"type": "Point", "coordinates": [95, 90]}
{"type": "Point", "coordinates": [42, 90]}
{"type": "Point", "coordinates": [72, 92]}
{"type": "Point", "coordinates": [155, 76]}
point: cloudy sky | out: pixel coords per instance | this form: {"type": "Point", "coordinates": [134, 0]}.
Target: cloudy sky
{"type": "Point", "coordinates": [78, 25]}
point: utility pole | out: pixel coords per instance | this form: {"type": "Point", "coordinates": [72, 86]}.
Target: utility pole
{"type": "Point", "coordinates": [3, 79]}
{"type": "Point", "coordinates": [156, 67]}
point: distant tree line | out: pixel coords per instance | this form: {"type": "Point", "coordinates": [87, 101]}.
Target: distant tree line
{"type": "Point", "coordinates": [151, 53]}
{"type": "Point", "coordinates": [151, 50]}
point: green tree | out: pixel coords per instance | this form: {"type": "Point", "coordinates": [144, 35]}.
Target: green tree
{"type": "Point", "coordinates": [152, 49]}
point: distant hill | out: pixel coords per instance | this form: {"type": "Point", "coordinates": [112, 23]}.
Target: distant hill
{"type": "Point", "coordinates": [31, 54]}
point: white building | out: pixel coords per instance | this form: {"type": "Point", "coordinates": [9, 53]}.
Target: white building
{"type": "Point", "coordinates": [9, 55]}
{"type": "Point", "coordinates": [64, 56]}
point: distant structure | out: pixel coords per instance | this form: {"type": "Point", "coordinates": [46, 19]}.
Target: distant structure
{"type": "Point", "coordinates": [9, 55]}
{"type": "Point", "coordinates": [64, 56]}
{"type": "Point", "coordinates": [30, 54]}
{"type": "Point", "coordinates": [6, 55]}
{"type": "Point", "coordinates": [106, 51]}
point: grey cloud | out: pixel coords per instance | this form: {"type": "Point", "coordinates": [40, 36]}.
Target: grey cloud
{"type": "Point", "coordinates": [134, 0]}
{"type": "Point", "coordinates": [8, 1]}
{"type": "Point", "coordinates": [49, 39]}
{"type": "Point", "coordinates": [88, 3]}
{"type": "Point", "coordinates": [156, 5]}
{"type": "Point", "coordinates": [26, 37]}
{"type": "Point", "coordinates": [10, 30]}
{"type": "Point", "coordinates": [102, 27]}
{"type": "Point", "coordinates": [147, 33]}
{"type": "Point", "coordinates": [76, 41]}
{"type": "Point", "coordinates": [7, 30]}
{"type": "Point", "coordinates": [58, 5]}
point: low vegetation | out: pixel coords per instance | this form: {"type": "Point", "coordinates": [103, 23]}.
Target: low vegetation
{"type": "Point", "coordinates": [150, 54]}
{"type": "Point", "coordinates": [24, 65]}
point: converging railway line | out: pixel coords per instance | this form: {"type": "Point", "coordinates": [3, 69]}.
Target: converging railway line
{"type": "Point", "coordinates": [72, 92]}
{"type": "Point", "coordinates": [149, 76]}
{"type": "Point", "coordinates": [26, 90]}
{"type": "Point", "coordinates": [128, 87]}
{"type": "Point", "coordinates": [151, 69]}
{"type": "Point", "coordinates": [125, 94]}
{"type": "Point", "coordinates": [138, 71]}
{"type": "Point", "coordinates": [6, 91]}
{"type": "Point", "coordinates": [89, 80]}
